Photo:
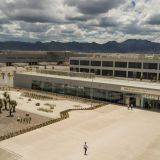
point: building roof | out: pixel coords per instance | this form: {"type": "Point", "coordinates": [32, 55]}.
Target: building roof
{"type": "Point", "coordinates": [120, 82]}
{"type": "Point", "coordinates": [23, 53]}
{"type": "Point", "coordinates": [117, 56]}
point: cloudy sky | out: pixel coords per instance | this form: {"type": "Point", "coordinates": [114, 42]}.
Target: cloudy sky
{"type": "Point", "coordinates": [79, 20]}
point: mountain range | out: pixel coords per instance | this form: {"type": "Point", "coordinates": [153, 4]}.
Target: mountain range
{"type": "Point", "coordinates": [128, 46]}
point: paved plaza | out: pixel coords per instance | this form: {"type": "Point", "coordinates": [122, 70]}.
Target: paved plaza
{"type": "Point", "coordinates": [60, 104]}
{"type": "Point", "coordinates": [111, 132]}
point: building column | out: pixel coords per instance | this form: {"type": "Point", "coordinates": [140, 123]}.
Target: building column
{"type": "Point", "coordinates": [101, 69]}
{"type": "Point", "coordinates": [113, 68]}
{"type": "Point", "coordinates": [138, 101]}
{"type": "Point", "coordinates": [89, 66]}
{"type": "Point", "coordinates": [127, 70]}
{"type": "Point", "coordinates": [158, 72]}
{"type": "Point", "coordinates": [78, 65]}
{"type": "Point", "coordinates": [142, 70]}
{"type": "Point", "coordinates": [142, 101]}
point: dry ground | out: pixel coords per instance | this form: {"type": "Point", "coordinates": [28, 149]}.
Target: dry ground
{"type": "Point", "coordinates": [10, 124]}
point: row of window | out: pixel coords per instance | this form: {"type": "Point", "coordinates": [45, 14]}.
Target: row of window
{"type": "Point", "coordinates": [137, 65]}
{"type": "Point", "coordinates": [99, 94]}
{"type": "Point", "coordinates": [116, 73]}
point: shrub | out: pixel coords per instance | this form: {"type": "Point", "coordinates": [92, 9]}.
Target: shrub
{"type": "Point", "coordinates": [45, 109]}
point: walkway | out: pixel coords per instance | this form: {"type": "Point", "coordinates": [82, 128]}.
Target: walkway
{"type": "Point", "coordinates": [112, 133]}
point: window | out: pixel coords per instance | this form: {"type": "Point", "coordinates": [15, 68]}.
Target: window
{"type": "Point", "coordinates": [74, 69]}
{"type": "Point", "coordinates": [47, 86]}
{"type": "Point", "coordinates": [71, 69]}
{"type": "Point", "coordinates": [84, 63]}
{"type": "Point", "coordinates": [95, 63]}
{"type": "Point", "coordinates": [107, 64]}
{"type": "Point", "coordinates": [107, 72]}
{"type": "Point", "coordinates": [36, 85]}
{"type": "Point", "coordinates": [134, 65]}
{"type": "Point", "coordinates": [120, 74]}
{"type": "Point", "coordinates": [151, 76]}
{"type": "Point", "coordinates": [96, 71]}
{"type": "Point", "coordinates": [134, 74]}
{"type": "Point", "coordinates": [84, 70]}
{"type": "Point", "coordinates": [74, 62]}
{"type": "Point", "coordinates": [121, 64]}
{"type": "Point", "coordinates": [150, 65]}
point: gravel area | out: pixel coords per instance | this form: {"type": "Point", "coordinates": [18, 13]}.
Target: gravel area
{"type": "Point", "coordinates": [10, 124]}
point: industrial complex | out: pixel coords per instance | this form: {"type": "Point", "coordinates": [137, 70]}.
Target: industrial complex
{"type": "Point", "coordinates": [123, 79]}
{"type": "Point", "coordinates": [8, 58]}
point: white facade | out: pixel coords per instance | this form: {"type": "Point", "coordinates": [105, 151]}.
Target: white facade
{"type": "Point", "coordinates": [106, 89]}
{"type": "Point", "coordinates": [119, 65]}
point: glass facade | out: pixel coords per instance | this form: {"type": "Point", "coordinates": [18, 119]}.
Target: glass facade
{"type": "Point", "coordinates": [134, 74]}
{"type": "Point", "coordinates": [145, 101]}
{"type": "Point", "coordinates": [74, 62]}
{"type": "Point", "coordinates": [107, 63]}
{"type": "Point", "coordinates": [134, 65]}
{"type": "Point", "coordinates": [74, 69]}
{"type": "Point", "coordinates": [47, 86]}
{"type": "Point", "coordinates": [107, 72]}
{"type": "Point", "coordinates": [120, 73]}
{"type": "Point", "coordinates": [151, 102]}
{"type": "Point", "coordinates": [96, 63]}
{"type": "Point", "coordinates": [96, 71]}
{"type": "Point", "coordinates": [150, 76]}
{"type": "Point", "coordinates": [36, 85]}
{"type": "Point", "coordinates": [121, 64]}
{"type": "Point", "coordinates": [84, 63]}
{"type": "Point", "coordinates": [150, 65]}
{"type": "Point", "coordinates": [86, 70]}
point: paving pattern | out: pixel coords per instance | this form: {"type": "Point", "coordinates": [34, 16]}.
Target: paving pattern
{"type": "Point", "coordinates": [7, 155]}
{"type": "Point", "coordinates": [112, 133]}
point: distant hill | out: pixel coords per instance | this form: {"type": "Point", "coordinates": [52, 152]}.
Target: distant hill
{"type": "Point", "coordinates": [131, 45]}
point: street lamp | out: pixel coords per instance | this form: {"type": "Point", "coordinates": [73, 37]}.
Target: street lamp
{"type": "Point", "coordinates": [92, 76]}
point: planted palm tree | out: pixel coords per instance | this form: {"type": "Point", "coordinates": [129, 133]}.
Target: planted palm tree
{"type": "Point", "coordinates": [14, 104]}
{"type": "Point", "coordinates": [6, 100]}
{"type": "Point", "coordinates": [9, 75]}
{"type": "Point", "coordinates": [2, 74]}
{"type": "Point", "coordinates": [5, 94]}
{"type": "Point", "coordinates": [10, 106]}
{"type": "Point", "coordinates": [5, 104]}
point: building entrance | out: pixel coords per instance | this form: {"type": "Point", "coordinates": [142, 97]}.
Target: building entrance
{"type": "Point", "coordinates": [132, 100]}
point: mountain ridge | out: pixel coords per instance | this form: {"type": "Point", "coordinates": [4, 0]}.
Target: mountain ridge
{"type": "Point", "coordinates": [130, 45]}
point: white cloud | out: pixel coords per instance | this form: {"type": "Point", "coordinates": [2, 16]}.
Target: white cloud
{"type": "Point", "coordinates": [79, 20]}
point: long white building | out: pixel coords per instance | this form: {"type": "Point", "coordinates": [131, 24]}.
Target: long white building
{"type": "Point", "coordinates": [122, 79]}
{"type": "Point", "coordinates": [119, 65]}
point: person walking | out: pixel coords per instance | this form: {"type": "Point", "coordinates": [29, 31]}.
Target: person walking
{"type": "Point", "coordinates": [85, 148]}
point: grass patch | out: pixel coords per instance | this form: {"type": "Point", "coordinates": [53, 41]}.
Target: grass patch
{"type": "Point", "coordinates": [50, 105]}
{"type": "Point", "coordinates": [48, 110]}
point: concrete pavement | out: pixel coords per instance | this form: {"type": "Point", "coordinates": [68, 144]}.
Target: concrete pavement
{"type": "Point", "coordinates": [112, 133]}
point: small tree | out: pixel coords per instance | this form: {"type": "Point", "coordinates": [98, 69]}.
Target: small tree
{"type": "Point", "coordinates": [3, 75]}
{"type": "Point", "coordinates": [10, 109]}
{"type": "Point", "coordinates": [9, 75]}
{"type": "Point", "coordinates": [5, 94]}
{"type": "Point", "coordinates": [14, 104]}
{"type": "Point", "coordinates": [5, 104]}
{"type": "Point", "coordinates": [6, 100]}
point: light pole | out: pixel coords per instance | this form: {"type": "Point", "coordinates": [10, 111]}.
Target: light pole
{"type": "Point", "coordinates": [92, 76]}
